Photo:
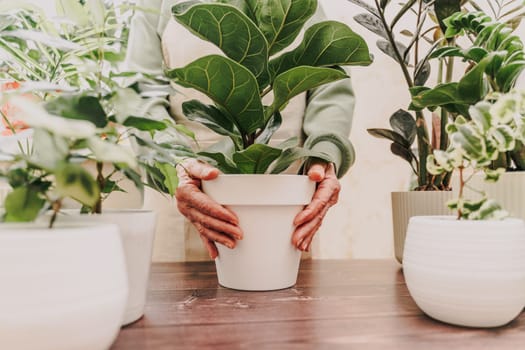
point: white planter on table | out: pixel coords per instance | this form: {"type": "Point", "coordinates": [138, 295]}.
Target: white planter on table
{"type": "Point", "coordinates": [266, 205]}
{"type": "Point", "coordinates": [468, 273]}
{"type": "Point", "coordinates": [63, 288]}
{"type": "Point", "coordinates": [137, 232]}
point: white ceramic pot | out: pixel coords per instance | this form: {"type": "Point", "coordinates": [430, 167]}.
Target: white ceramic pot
{"type": "Point", "coordinates": [266, 205]}
{"type": "Point", "coordinates": [414, 203]}
{"type": "Point", "coordinates": [137, 232]}
{"type": "Point", "coordinates": [61, 289]}
{"type": "Point", "coordinates": [467, 273]}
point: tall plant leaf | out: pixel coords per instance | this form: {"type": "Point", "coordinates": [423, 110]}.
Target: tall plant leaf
{"type": "Point", "coordinates": [79, 107]}
{"type": "Point", "coordinates": [72, 180]}
{"type": "Point", "coordinates": [230, 85]}
{"type": "Point", "coordinates": [231, 30]}
{"type": "Point", "coordinates": [327, 43]}
{"type": "Point", "coordinates": [300, 79]}
{"type": "Point", "coordinates": [23, 204]}
{"type": "Point", "coordinates": [282, 20]}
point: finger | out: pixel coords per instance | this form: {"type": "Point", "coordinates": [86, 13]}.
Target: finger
{"type": "Point", "coordinates": [210, 247]}
{"type": "Point", "coordinates": [199, 170]}
{"type": "Point", "coordinates": [308, 229]}
{"type": "Point", "coordinates": [210, 222]}
{"type": "Point", "coordinates": [326, 195]}
{"type": "Point", "coordinates": [317, 171]}
{"type": "Point", "coordinates": [190, 196]}
{"type": "Point", "coordinates": [214, 236]}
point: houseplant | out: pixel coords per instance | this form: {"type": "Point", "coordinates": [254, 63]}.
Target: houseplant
{"type": "Point", "coordinates": [427, 41]}
{"type": "Point", "coordinates": [471, 271]}
{"type": "Point", "coordinates": [250, 69]}
{"type": "Point", "coordinates": [73, 67]}
{"type": "Point", "coordinates": [54, 301]}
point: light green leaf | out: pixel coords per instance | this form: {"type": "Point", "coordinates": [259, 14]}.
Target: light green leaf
{"type": "Point", "coordinates": [78, 107]}
{"type": "Point", "coordinates": [36, 116]}
{"type": "Point", "coordinates": [104, 151]}
{"type": "Point", "coordinates": [327, 43]}
{"type": "Point", "coordinates": [48, 149]}
{"type": "Point", "coordinates": [73, 10]}
{"type": "Point", "coordinates": [23, 204]}
{"type": "Point", "coordinates": [300, 79]}
{"type": "Point", "coordinates": [281, 20]}
{"type": "Point", "coordinates": [73, 181]}
{"type": "Point", "coordinates": [144, 124]}
{"type": "Point", "coordinates": [42, 38]}
{"type": "Point", "coordinates": [230, 85]}
{"type": "Point", "coordinates": [171, 180]}
{"type": "Point", "coordinates": [231, 30]}
{"type": "Point", "coordinates": [98, 13]}
{"type": "Point", "coordinates": [221, 162]}
{"type": "Point", "coordinates": [271, 127]}
{"type": "Point", "coordinates": [256, 159]}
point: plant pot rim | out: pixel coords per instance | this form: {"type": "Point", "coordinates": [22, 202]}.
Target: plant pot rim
{"type": "Point", "coordinates": [414, 191]}
{"type": "Point", "coordinates": [58, 227]}
{"type": "Point", "coordinates": [451, 220]}
{"type": "Point", "coordinates": [71, 212]}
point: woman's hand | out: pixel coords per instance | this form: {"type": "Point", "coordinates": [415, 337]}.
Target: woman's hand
{"type": "Point", "coordinates": [214, 222]}
{"type": "Point", "coordinates": [309, 220]}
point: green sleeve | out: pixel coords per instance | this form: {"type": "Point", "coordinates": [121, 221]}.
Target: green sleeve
{"type": "Point", "coordinates": [328, 120]}
{"type": "Point", "coordinates": [144, 52]}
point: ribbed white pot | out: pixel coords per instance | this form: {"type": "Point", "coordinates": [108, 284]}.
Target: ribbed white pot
{"type": "Point", "coordinates": [137, 232]}
{"type": "Point", "coordinates": [266, 205]}
{"type": "Point", "coordinates": [414, 203]}
{"type": "Point", "coordinates": [467, 273]}
{"type": "Point", "coordinates": [509, 191]}
{"type": "Point", "coordinates": [61, 289]}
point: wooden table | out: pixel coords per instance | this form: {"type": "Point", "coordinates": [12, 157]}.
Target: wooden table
{"type": "Point", "coordinates": [336, 304]}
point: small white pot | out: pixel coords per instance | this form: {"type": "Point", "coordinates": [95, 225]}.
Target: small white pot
{"type": "Point", "coordinates": [62, 288]}
{"type": "Point", "coordinates": [266, 205]}
{"type": "Point", "coordinates": [137, 232]}
{"type": "Point", "coordinates": [406, 204]}
{"type": "Point", "coordinates": [467, 273]}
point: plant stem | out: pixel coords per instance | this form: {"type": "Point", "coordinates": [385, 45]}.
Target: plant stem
{"type": "Point", "coordinates": [56, 206]}
{"type": "Point", "coordinates": [424, 148]}
{"type": "Point", "coordinates": [101, 181]}
{"type": "Point", "coordinates": [460, 194]}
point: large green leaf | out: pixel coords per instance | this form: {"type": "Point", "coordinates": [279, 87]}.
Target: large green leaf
{"type": "Point", "coordinates": [299, 79]}
{"type": "Point", "coordinates": [144, 124]}
{"type": "Point", "coordinates": [230, 85]}
{"type": "Point", "coordinates": [443, 94]}
{"type": "Point", "coordinates": [23, 204]}
{"type": "Point", "coordinates": [212, 118]}
{"type": "Point", "coordinates": [171, 180]}
{"type": "Point", "coordinates": [404, 124]}
{"type": "Point", "coordinates": [281, 20]}
{"type": "Point", "coordinates": [80, 107]}
{"type": "Point", "coordinates": [327, 43]}
{"type": "Point", "coordinates": [231, 30]}
{"type": "Point", "coordinates": [472, 86]}
{"type": "Point", "coordinates": [255, 159]}
{"type": "Point", "coordinates": [75, 182]}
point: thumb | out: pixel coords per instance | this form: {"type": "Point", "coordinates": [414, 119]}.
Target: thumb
{"type": "Point", "coordinates": [200, 170]}
{"type": "Point", "coordinates": [317, 172]}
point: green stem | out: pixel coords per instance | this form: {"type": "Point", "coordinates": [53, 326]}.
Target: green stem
{"type": "Point", "coordinates": [56, 206]}
{"type": "Point", "coordinates": [392, 41]}
{"type": "Point", "coordinates": [101, 181]}
{"type": "Point", "coordinates": [424, 148]}
{"type": "Point", "coordinates": [460, 194]}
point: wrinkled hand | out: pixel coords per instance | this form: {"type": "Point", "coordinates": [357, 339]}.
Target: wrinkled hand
{"type": "Point", "coordinates": [214, 222]}
{"type": "Point", "coordinates": [309, 220]}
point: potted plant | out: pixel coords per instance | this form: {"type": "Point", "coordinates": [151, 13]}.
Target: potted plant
{"type": "Point", "coordinates": [470, 270]}
{"type": "Point", "coordinates": [236, 82]}
{"type": "Point", "coordinates": [495, 65]}
{"type": "Point", "coordinates": [83, 55]}
{"type": "Point", "coordinates": [54, 287]}
{"type": "Point", "coordinates": [427, 41]}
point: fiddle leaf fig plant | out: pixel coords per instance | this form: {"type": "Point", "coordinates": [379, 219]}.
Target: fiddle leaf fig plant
{"type": "Point", "coordinates": [495, 126]}
{"type": "Point", "coordinates": [252, 38]}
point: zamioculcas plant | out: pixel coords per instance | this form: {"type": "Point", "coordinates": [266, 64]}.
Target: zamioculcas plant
{"type": "Point", "coordinates": [494, 128]}
{"type": "Point", "coordinates": [253, 67]}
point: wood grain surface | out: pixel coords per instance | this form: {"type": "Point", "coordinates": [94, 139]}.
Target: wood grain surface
{"type": "Point", "coordinates": [336, 304]}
